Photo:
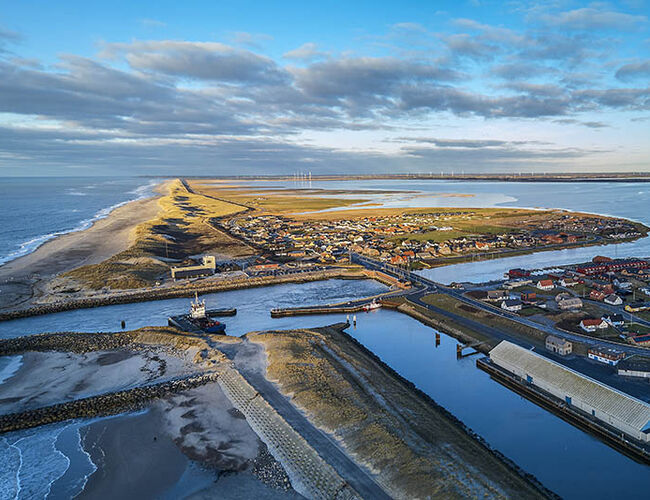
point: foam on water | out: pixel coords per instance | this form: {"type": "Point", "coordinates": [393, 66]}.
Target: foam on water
{"type": "Point", "coordinates": [30, 245]}
{"type": "Point", "coordinates": [42, 462]}
{"type": "Point", "coordinates": [9, 365]}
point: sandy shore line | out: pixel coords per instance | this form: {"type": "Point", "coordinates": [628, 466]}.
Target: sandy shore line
{"type": "Point", "coordinates": [21, 279]}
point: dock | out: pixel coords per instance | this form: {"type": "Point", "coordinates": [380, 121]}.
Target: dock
{"type": "Point", "coordinates": [638, 451]}
{"type": "Point", "coordinates": [344, 308]}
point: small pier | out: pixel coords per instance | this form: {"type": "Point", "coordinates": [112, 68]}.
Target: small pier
{"type": "Point", "coordinates": [638, 451]}
{"type": "Point", "coordinates": [344, 308]}
{"type": "Point", "coordinates": [461, 347]}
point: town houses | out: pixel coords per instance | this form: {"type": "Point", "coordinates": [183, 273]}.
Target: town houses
{"type": "Point", "coordinates": [403, 239]}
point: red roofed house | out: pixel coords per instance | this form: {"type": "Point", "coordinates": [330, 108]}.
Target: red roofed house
{"type": "Point", "coordinates": [545, 285]}
{"type": "Point", "coordinates": [591, 324]}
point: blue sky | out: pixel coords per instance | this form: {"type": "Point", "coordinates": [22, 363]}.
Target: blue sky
{"type": "Point", "coordinates": [216, 88]}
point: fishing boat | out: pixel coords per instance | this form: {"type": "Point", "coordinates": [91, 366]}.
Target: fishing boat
{"type": "Point", "coordinates": [199, 320]}
{"type": "Point", "coordinates": [371, 306]}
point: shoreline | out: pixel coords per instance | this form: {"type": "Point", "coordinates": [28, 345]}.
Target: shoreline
{"type": "Point", "coordinates": [21, 278]}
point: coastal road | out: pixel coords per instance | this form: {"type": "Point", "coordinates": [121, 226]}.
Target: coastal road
{"type": "Point", "coordinates": [427, 286]}
{"type": "Point", "coordinates": [247, 362]}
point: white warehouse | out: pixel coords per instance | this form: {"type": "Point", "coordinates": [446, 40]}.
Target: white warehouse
{"type": "Point", "coordinates": [625, 413]}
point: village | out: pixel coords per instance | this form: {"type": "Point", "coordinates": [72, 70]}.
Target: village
{"type": "Point", "coordinates": [595, 299]}
{"type": "Point", "coordinates": [420, 239]}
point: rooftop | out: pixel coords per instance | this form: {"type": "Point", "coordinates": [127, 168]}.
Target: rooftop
{"type": "Point", "coordinates": [623, 407]}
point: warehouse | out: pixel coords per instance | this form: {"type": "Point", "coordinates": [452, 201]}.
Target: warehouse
{"type": "Point", "coordinates": [623, 412]}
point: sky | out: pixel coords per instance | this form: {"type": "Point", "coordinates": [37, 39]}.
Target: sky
{"type": "Point", "coordinates": [269, 88]}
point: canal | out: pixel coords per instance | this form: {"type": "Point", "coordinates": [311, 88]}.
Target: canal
{"type": "Point", "coordinates": [565, 459]}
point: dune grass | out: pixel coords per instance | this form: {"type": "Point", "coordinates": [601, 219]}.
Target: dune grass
{"type": "Point", "coordinates": [180, 229]}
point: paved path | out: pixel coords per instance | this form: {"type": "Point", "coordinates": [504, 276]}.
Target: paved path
{"type": "Point", "coordinates": [245, 358]}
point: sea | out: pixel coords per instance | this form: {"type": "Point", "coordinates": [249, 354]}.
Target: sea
{"type": "Point", "coordinates": [50, 461]}
{"type": "Point", "coordinates": [34, 210]}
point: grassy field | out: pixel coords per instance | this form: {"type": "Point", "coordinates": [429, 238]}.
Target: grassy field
{"type": "Point", "coordinates": [413, 447]}
{"type": "Point", "coordinates": [179, 230]}
{"type": "Point", "coordinates": [450, 304]}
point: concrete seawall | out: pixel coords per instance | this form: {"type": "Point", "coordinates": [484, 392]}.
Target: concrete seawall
{"type": "Point", "coordinates": [310, 474]}
{"type": "Point", "coordinates": [101, 405]}
{"type": "Point", "coordinates": [186, 290]}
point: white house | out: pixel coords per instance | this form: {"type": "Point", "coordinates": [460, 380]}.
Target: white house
{"type": "Point", "coordinates": [512, 305]}
{"type": "Point", "coordinates": [613, 300]}
{"type": "Point", "coordinates": [545, 285]}
{"type": "Point", "coordinates": [591, 324]}
{"type": "Point", "coordinates": [614, 319]}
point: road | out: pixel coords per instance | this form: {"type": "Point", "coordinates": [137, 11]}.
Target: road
{"type": "Point", "coordinates": [426, 286]}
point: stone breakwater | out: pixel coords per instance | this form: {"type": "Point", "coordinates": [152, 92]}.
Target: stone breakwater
{"type": "Point", "coordinates": [186, 290]}
{"type": "Point", "coordinates": [310, 475]}
{"type": "Point", "coordinates": [79, 343]}
{"type": "Point", "coordinates": [101, 405]}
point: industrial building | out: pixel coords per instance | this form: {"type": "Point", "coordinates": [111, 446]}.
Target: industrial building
{"type": "Point", "coordinates": [207, 268]}
{"type": "Point", "coordinates": [606, 404]}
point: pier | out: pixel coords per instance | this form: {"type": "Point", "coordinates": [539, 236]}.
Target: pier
{"type": "Point", "coordinates": [353, 306]}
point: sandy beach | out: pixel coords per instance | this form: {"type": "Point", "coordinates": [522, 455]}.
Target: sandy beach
{"type": "Point", "coordinates": [22, 280]}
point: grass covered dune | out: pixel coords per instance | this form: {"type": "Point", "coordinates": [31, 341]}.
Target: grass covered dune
{"type": "Point", "coordinates": [415, 448]}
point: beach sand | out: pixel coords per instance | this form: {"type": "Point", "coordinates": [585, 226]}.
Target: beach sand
{"type": "Point", "coordinates": [22, 280]}
{"type": "Point", "coordinates": [47, 378]}
{"type": "Point", "coordinates": [165, 452]}
{"type": "Point", "coordinates": [135, 459]}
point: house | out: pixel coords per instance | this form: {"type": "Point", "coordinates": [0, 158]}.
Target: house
{"type": "Point", "coordinates": [545, 285]}
{"type": "Point", "coordinates": [529, 296]}
{"type": "Point", "coordinates": [562, 296]}
{"type": "Point", "coordinates": [512, 305]}
{"type": "Point", "coordinates": [496, 295]}
{"type": "Point", "coordinates": [592, 324]}
{"type": "Point", "coordinates": [570, 303]}
{"type": "Point", "coordinates": [568, 282]}
{"type": "Point", "coordinates": [613, 300]}
{"type": "Point", "coordinates": [518, 273]}
{"type": "Point", "coordinates": [558, 345]}
{"type": "Point", "coordinates": [614, 319]}
{"type": "Point", "coordinates": [607, 355]}
{"type": "Point", "coordinates": [640, 340]}
{"type": "Point", "coordinates": [597, 295]}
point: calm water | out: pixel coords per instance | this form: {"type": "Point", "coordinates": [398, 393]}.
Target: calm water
{"type": "Point", "coordinates": [565, 459]}
{"type": "Point", "coordinates": [36, 209]}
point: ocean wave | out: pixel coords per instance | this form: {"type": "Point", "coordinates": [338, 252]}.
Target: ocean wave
{"type": "Point", "coordinates": [27, 247]}
{"type": "Point", "coordinates": [11, 365]}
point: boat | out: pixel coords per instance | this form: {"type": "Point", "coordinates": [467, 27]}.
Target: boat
{"type": "Point", "coordinates": [199, 320]}
{"type": "Point", "coordinates": [371, 306]}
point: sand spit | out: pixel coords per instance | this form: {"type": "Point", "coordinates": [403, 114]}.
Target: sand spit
{"type": "Point", "coordinates": [414, 448]}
